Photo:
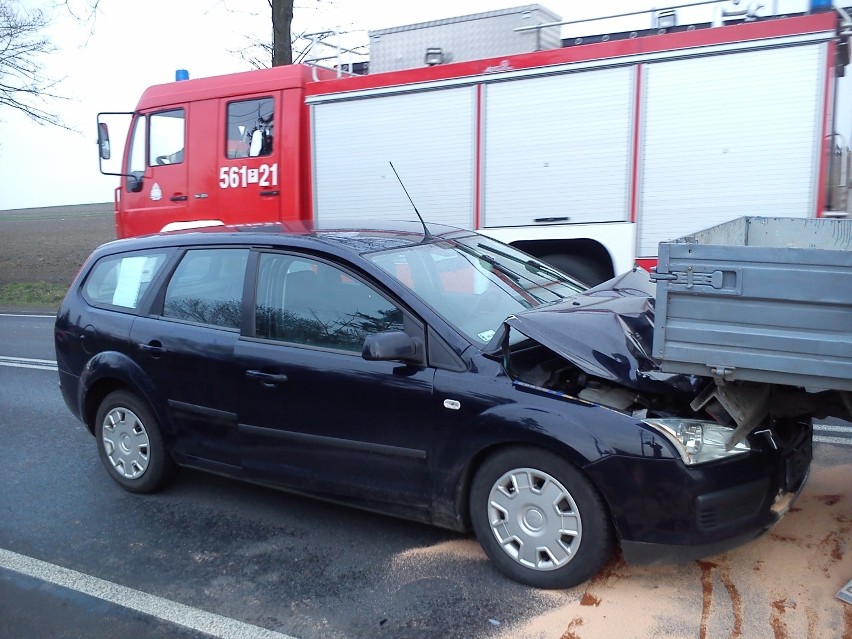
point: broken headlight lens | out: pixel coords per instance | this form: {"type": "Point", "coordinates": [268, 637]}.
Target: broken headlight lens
{"type": "Point", "coordinates": [698, 442]}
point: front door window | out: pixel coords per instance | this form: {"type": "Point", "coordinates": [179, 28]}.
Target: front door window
{"type": "Point", "coordinates": [167, 137]}
{"type": "Point", "coordinates": [308, 302]}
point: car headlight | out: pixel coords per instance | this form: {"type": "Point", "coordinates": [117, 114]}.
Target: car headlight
{"type": "Point", "coordinates": [698, 442]}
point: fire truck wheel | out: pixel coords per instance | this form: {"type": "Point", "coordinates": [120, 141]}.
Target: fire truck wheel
{"type": "Point", "coordinates": [580, 268]}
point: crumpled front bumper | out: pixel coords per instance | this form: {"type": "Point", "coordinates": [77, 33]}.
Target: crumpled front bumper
{"type": "Point", "coordinates": [665, 512]}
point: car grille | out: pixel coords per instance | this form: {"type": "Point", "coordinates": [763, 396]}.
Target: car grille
{"type": "Point", "coordinates": [731, 506]}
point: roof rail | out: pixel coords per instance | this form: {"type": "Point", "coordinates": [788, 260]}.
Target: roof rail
{"type": "Point", "coordinates": [318, 51]}
{"type": "Point", "coordinates": [846, 25]}
{"type": "Point", "coordinates": [748, 12]}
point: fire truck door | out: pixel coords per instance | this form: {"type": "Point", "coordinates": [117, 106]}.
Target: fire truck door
{"type": "Point", "coordinates": [202, 158]}
{"type": "Point", "coordinates": [248, 172]}
{"type": "Point", "coordinates": [155, 193]}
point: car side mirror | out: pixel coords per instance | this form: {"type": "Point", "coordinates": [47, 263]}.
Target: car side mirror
{"type": "Point", "coordinates": [389, 346]}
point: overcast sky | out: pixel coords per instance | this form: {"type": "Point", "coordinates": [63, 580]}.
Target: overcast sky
{"type": "Point", "coordinates": [133, 45]}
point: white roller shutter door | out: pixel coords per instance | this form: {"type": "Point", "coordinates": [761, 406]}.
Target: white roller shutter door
{"type": "Point", "coordinates": [729, 135]}
{"type": "Point", "coordinates": [558, 146]}
{"type": "Point", "coordinates": [429, 137]}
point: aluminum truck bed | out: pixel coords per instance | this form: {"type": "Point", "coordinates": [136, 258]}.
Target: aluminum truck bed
{"type": "Point", "coordinates": [761, 300]}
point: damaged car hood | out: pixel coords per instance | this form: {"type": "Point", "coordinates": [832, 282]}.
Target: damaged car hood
{"type": "Point", "coordinates": [607, 332]}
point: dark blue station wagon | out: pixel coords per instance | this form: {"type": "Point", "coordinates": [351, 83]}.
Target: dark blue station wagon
{"type": "Point", "coordinates": [425, 372]}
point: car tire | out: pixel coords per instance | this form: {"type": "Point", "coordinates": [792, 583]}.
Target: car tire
{"type": "Point", "coordinates": [130, 444]}
{"type": "Point", "coordinates": [581, 269]}
{"type": "Point", "coordinates": [539, 519]}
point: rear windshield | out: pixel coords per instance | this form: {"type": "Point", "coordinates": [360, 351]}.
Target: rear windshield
{"type": "Point", "coordinates": [121, 280]}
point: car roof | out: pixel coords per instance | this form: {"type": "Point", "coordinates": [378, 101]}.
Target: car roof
{"type": "Point", "coordinates": [355, 237]}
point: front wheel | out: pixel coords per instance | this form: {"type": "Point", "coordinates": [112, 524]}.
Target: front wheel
{"type": "Point", "coordinates": [130, 444]}
{"type": "Point", "coordinates": [539, 519]}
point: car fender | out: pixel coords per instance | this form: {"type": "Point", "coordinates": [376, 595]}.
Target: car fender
{"type": "Point", "coordinates": [118, 367]}
{"type": "Point", "coordinates": [499, 427]}
{"type": "Point", "coordinates": [582, 432]}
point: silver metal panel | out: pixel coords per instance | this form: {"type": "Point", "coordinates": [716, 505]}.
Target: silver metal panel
{"type": "Point", "coordinates": [470, 37]}
{"type": "Point", "coordinates": [729, 135]}
{"type": "Point", "coordinates": [845, 593]}
{"type": "Point", "coordinates": [558, 147]}
{"type": "Point", "coordinates": [429, 137]}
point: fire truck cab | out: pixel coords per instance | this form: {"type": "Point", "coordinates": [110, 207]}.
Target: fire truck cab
{"type": "Point", "coordinates": [216, 150]}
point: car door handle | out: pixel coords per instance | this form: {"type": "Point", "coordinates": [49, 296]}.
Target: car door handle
{"type": "Point", "coordinates": [154, 347]}
{"type": "Point", "coordinates": [268, 193]}
{"type": "Point", "coordinates": [179, 198]}
{"type": "Point", "coordinates": [268, 379]}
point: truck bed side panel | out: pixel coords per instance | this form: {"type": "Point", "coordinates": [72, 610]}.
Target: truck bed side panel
{"type": "Point", "coordinates": [759, 299]}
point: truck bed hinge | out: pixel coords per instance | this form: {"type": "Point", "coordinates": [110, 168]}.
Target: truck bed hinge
{"type": "Point", "coordinates": [721, 374]}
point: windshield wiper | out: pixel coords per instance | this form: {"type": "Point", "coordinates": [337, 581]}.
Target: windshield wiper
{"type": "Point", "coordinates": [544, 269]}
{"type": "Point", "coordinates": [534, 267]}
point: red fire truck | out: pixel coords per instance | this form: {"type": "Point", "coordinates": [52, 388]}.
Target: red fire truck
{"type": "Point", "coordinates": [585, 155]}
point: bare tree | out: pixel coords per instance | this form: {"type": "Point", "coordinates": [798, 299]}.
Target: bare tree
{"type": "Point", "coordinates": [295, 47]}
{"type": "Point", "coordinates": [280, 51]}
{"type": "Point", "coordinates": [284, 47]}
{"type": "Point", "coordinates": [23, 83]}
{"type": "Point", "coordinates": [282, 21]}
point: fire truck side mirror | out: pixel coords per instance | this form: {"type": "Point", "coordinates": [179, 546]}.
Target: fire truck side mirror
{"type": "Point", "coordinates": [103, 141]}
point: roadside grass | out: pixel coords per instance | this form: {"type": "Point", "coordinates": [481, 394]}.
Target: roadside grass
{"type": "Point", "coordinates": [32, 294]}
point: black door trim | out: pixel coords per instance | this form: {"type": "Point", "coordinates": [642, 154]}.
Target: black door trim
{"type": "Point", "coordinates": [334, 442]}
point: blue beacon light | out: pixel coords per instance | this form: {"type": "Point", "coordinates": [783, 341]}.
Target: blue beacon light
{"type": "Point", "coordinates": [181, 74]}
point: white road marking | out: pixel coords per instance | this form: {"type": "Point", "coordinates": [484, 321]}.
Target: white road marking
{"type": "Point", "coordinates": [824, 439]}
{"type": "Point", "coordinates": [27, 315]}
{"type": "Point", "coordinates": [165, 609]}
{"type": "Point", "coordinates": [833, 434]}
{"type": "Point", "coordinates": [28, 362]}
{"type": "Point", "coordinates": [833, 429]}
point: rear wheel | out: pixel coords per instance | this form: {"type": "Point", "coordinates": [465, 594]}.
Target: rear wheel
{"type": "Point", "coordinates": [580, 268]}
{"type": "Point", "coordinates": [539, 519]}
{"type": "Point", "coordinates": [130, 444]}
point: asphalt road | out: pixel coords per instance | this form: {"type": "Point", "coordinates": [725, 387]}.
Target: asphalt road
{"type": "Point", "coordinates": [251, 555]}
{"type": "Point", "coordinates": [79, 557]}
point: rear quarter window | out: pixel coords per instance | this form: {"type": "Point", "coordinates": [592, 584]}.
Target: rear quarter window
{"type": "Point", "coordinates": [121, 280]}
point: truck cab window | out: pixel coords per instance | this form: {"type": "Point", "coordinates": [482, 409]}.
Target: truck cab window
{"type": "Point", "coordinates": [136, 157]}
{"type": "Point", "coordinates": [167, 137]}
{"type": "Point", "coordinates": [249, 128]}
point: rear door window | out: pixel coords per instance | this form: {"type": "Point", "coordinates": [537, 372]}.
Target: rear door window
{"type": "Point", "coordinates": [121, 280]}
{"type": "Point", "coordinates": [207, 287]}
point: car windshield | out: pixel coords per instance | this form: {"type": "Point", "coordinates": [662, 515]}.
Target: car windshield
{"type": "Point", "coordinates": [475, 283]}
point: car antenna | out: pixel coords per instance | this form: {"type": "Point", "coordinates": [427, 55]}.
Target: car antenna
{"type": "Point", "coordinates": [426, 233]}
